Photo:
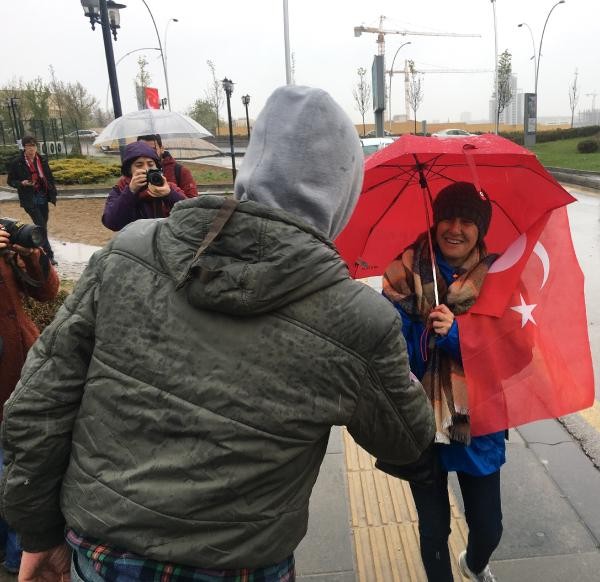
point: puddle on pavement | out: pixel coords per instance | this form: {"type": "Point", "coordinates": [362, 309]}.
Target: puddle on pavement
{"type": "Point", "coordinates": [72, 257]}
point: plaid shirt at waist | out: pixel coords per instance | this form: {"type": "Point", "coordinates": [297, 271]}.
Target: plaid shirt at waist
{"type": "Point", "coordinates": [115, 565]}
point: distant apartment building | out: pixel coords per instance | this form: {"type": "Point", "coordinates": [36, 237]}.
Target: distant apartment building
{"type": "Point", "coordinates": [513, 112]}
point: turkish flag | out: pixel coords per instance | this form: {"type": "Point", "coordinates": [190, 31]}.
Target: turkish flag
{"type": "Point", "coordinates": [533, 361]}
{"type": "Point", "coordinates": [152, 99]}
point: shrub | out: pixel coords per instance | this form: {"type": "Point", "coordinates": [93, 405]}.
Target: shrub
{"type": "Point", "coordinates": [82, 171]}
{"type": "Point", "coordinates": [7, 153]}
{"type": "Point", "coordinates": [553, 134]}
{"type": "Point", "coordinates": [587, 146]}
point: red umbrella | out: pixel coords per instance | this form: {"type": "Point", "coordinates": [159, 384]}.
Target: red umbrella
{"type": "Point", "coordinates": [402, 180]}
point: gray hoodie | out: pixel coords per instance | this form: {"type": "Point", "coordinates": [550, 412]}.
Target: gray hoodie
{"type": "Point", "coordinates": [304, 157]}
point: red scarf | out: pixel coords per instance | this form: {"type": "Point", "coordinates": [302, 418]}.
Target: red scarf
{"type": "Point", "coordinates": [40, 183]}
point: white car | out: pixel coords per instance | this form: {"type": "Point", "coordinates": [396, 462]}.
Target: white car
{"type": "Point", "coordinates": [85, 133]}
{"type": "Point", "coordinates": [451, 133]}
{"type": "Point", "coordinates": [370, 145]}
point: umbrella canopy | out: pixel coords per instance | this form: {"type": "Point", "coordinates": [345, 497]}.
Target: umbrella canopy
{"type": "Point", "coordinates": [402, 180]}
{"type": "Point", "coordinates": [168, 124]}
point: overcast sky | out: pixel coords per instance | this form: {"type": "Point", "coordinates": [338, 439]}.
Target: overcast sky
{"type": "Point", "coordinates": [245, 41]}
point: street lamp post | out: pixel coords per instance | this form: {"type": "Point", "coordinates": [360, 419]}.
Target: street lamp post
{"type": "Point", "coordinates": [390, 84]}
{"type": "Point", "coordinates": [534, 57]}
{"type": "Point", "coordinates": [162, 54]}
{"type": "Point", "coordinates": [246, 102]}
{"type": "Point", "coordinates": [496, 96]}
{"type": "Point", "coordinates": [106, 13]}
{"type": "Point", "coordinates": [166, 61]}
{"type": "Point", "coordinates": [228, 87]}
{"type": "Point", "coordinates": [539, 53]}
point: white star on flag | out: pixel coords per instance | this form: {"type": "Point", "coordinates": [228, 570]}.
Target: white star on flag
{"type": "Point", "coordinates": [526, 312]}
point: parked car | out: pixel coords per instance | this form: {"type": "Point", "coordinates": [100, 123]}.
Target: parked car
{"type": "Point", "coordinates": [451, 133]}
{"type": "Point", "coordinates": [370, 145]}
{"type": "Point", "coordinates": [85, 133]}
{"type": "Point", "coordinates": [372, 133]}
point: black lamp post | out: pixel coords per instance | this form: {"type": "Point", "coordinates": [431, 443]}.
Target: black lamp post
{"type": "Point", "coordinates": [246, 102]}
{"type": "Point", "coordinates": [106, 13]}
{"type": "Point", "coordinates": [228, 87]}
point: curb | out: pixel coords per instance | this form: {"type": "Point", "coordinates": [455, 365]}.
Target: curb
{"type": "Point", "coordinates": [576, 177]}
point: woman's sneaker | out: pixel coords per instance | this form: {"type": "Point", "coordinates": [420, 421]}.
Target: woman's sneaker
{"type": "Point", "coordinates": [485, 576]}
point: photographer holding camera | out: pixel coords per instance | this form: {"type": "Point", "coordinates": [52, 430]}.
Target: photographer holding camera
{"type": "Point", "coordinates": [142, 190]}
{"type": "Point", "coordinates": [30, 174]}
{"type": "Point", "coordinates": [24, 269]}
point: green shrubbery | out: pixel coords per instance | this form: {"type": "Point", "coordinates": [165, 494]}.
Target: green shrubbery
{"type": "Point", "coordinates": [554, 134]}
{"type": "Point", "coordinates": [82, 171]}
{"type": "Point", "coordinates": [7, 153]}
{"type": "Point", "coordinates": [587, 146]}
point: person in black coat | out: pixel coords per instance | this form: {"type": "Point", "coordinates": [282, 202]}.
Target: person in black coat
{"type": "Point", "coordinates": [30, 174]}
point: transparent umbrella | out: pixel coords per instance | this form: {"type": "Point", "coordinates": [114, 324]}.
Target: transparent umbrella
{"type": "Point", "coordinates": [178, 132]}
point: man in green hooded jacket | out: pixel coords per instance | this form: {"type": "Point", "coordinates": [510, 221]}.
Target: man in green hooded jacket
{"type": "Point", "coordinates": [175, 414]}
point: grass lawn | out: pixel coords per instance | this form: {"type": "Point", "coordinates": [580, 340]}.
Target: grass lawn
{"type": "Point", "coordinates": [563, 154]}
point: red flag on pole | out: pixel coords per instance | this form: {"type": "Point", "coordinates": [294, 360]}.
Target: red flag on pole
{"type": "Point", "coordinates": [534, 360]}
{"type": "Point", "coordinates": [152, 99]}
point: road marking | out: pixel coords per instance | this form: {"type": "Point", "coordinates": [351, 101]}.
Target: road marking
{"type": "Point", "coordinates": [592, 415]}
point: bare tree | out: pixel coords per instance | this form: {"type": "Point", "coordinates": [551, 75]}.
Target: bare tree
{"type": "Point", "coordinates": [415, 90]}
{"type": "Point", "coordinates": [142, 80]}
{"type": "Point", "coordinates": [504, 88]}
{"type": "Point", "coordinates": [215, 94]}
{"type": "Point", "coordinates": [362, 95]}
{"type": "Point", "coordinates": [573, 96]}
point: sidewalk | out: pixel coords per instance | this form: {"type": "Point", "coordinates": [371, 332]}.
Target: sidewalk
{"type": "Point", "coordinates": [550, 505]}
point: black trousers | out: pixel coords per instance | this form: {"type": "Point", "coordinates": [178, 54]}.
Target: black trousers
{"type": "Point", "coordinates": [483, 513]}
{"type": "Point", "coordinates": [39, 215]}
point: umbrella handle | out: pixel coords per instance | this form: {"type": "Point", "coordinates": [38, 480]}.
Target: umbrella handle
{"type": "Point", "coordinates": [427, 198]}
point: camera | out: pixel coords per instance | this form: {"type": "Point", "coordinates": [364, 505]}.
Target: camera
{"type": "Point", "coordinates": [19, 233]}
{"type": "Point", "coordinates": [154, 177]}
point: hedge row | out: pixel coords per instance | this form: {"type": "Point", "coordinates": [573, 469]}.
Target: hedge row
{"type": "Point", "coordinates": [82, 171]}
{"type": "Point", "coordinates": [554, 134]}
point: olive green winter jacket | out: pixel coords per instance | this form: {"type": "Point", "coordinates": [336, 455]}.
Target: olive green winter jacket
{"type": "Point", "coordinates": [188, 425]}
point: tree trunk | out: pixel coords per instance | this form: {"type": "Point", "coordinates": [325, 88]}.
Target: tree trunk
{"type": "Point", "coordinates": [364, 128]}
{"type": "Point", "coordinates": [572, 116]}
{"type": "Point", "coordinates": [415, 123]}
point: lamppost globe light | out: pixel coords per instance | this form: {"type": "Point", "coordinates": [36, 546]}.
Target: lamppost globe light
{"type": "Point", "coordinates": [245, 99]}
{"type": "Point", "coordinates": [228, 86]}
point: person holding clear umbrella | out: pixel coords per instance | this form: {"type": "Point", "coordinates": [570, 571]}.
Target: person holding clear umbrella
{"type": "Point", "coordinates": [142, 192]}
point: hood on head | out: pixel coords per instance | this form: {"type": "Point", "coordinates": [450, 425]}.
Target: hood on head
{"type": "Point", "coordinates": [135, 150]}
{"type": "Point", "coordinates": [304, 157]}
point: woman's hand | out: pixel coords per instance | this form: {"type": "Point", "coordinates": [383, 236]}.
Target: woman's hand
{"type": "Point", "coordinates": [138, 181]}
{"type": "Point", "coordinates": [159, 191]}
{"type": "Point", "coordinates": [4, 239]}
{"type": "Point", "coordinates": [441, 319]}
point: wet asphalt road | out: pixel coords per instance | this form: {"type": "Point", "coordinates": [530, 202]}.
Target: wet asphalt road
{"type": "Point", "coordinates": [584, 216]}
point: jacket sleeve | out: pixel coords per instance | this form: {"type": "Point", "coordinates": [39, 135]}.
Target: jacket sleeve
{"type": "Point", "coordinates": [176, 194]}
{"type": "Point", "coordinates": [187, 183]}
{"type": "Point", "coordinates": [393, 419]}
{"type": "Point", "coordinates": [39, 418]}
{"type": "Point", "coordinates": [120, 208]}
{"type": "Point", "coordinates": [48, 289]}
{"type": "Point", "coordinates": [50, 177]}
{"type": "Point", "coordinates": [450, 342]}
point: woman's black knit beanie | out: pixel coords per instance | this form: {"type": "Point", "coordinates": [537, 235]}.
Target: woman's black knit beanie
{"type": "Point", "coordinates": [461, 199]}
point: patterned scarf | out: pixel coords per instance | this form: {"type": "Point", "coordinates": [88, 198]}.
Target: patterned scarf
{"type": "Point", "coordinates": [408, 281]}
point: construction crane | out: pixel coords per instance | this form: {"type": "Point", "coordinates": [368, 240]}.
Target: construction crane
{"type": "Point", "coordinates": [381, 32]}
{"type": "Point", "coordinates": [406, 73]}
{"type": "Point", "coordinates": [593, 96]}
